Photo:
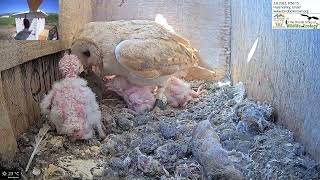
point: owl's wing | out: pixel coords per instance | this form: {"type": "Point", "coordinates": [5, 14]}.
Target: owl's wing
{"type": "Point", "coordinates": [151, 58]}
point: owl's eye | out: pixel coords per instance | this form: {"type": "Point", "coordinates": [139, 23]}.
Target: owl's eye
{"type": "Point", "coordinates": [87, 53]}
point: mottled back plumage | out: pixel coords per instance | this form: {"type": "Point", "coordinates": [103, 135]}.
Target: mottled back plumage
{"type": "Point", "coordinates": [138, 48]}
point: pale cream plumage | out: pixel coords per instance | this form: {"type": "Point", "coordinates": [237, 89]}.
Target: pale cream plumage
{"type": "Point", "coordinates": [144, 52]}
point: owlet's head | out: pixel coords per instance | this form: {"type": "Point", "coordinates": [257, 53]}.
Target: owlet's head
{"type": "Point", "coordinates": [70, 65]}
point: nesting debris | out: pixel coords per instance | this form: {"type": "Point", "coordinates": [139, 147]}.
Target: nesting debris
{"type": "Point", "coordinates": [36, 171]}
{"type": "Point", "coordinates": [170, 152]}
{"type": "Point", "coordinates": [208, 151]}
{"type": "Point", "coordinates": [188, 169]}
{"type": "Point", "coordinates": [160, 146]}
{"type": "Point", "coordinates": [79, 168]}
{"type": "Point", "coordinates": [120, 166]}
{"type": "Point", "coordinates": [38, 139]}
{"type": "Point", "coordinates": [148, 165]}
{"type": "Point", "coordinates": [54, 172]}
{"type": "Point", "coordinates": [150, 143]}
{"type": "Point", "coordinates": [254, 118]}
{"type": "Point", "coordinates": [124, 122]}
{"type": "Point", "coordinates": [168, 129]}
{"type": "Point", "coordinates": [114, 145]}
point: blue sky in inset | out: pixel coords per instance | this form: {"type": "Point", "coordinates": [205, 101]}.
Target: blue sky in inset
{"type": "Point", "coordinates": [8, 6]}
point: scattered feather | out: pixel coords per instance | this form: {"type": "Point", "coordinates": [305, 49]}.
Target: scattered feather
{"type": "Point", "coordinates": [38, 139]}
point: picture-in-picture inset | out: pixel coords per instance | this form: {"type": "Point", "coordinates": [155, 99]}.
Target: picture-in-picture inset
{"type": "Point", "coordinates": [29, 19]}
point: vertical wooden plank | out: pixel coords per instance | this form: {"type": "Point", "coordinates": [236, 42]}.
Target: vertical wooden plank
{"type": "Point", "coordinates": [55, 64]}
{"type": "Point", "coordinates": [73, 14]}
{"type": "Point", "coordinates": [33, 88]}
{"type": "Point", "coordinates": [8, 143]}
{"type": "Point", "coordinates": [15, 99]}
{"type": "Point", "coordinates": [24, 87]}
{"type": "Point", "coordinates": [30, 103]}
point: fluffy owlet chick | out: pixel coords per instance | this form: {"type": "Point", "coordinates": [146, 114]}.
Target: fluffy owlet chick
{"type": "Point", "coordinates": [179, 93]}
{"type": "Point", "coordinates": [71, 105]}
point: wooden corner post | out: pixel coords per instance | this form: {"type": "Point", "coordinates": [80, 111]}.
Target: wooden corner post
{"type": "Point", "coordinates": [8, 144]}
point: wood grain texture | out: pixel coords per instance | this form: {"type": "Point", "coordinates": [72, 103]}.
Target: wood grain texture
{"type": "Point", "coordinates": [14, 53]}
{"type": "Point", "coordinates": [73, 14]}
{"type": "Point", "coordinates": [24, 87]}
{"type": "Point", "coordinates": [284, 69]}
{"type": "Point", "coordinates": [8, 142]}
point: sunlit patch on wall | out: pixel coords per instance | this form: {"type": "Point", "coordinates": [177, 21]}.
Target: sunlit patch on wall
{"type": "Point", "coordinates": [253, 50]}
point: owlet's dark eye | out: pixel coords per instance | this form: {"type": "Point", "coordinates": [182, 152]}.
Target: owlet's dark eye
{"type": "Point", "coordinates": [87, 53]}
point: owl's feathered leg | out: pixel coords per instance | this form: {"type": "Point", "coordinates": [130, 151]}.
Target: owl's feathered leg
{"type": "Point", "coordinates": [161, 100]}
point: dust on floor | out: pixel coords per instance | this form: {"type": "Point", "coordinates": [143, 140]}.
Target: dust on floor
{"type": "Point", "coordinates": [158, 146]}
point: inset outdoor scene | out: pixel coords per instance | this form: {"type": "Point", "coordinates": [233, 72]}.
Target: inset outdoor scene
{"type": "Point", "coordinates": [29, 19]}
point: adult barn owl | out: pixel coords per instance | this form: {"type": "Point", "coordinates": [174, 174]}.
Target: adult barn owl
{"type": "Point", "coordinates": [144, 52]}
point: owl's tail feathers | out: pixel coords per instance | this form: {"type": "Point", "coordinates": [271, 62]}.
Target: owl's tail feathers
{"type": "Point", "coordinates": [160, 19]}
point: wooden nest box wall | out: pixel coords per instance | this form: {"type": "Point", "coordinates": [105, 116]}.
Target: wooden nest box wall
{"type": "Point", "coordinates": [27, 72]}
{"type": "Point", "coordinates": [28, 68]}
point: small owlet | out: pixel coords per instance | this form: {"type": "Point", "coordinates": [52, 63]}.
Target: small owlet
{"type": "Point", "coordinates": [71, 106]}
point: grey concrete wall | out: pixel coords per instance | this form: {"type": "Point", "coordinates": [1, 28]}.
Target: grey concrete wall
{"type": "Point", "coordinates": [284, 70]}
